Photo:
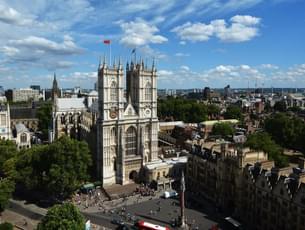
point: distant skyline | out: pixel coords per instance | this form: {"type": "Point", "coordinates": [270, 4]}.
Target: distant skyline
{"type": "Point", "coordinates": [195, 43]}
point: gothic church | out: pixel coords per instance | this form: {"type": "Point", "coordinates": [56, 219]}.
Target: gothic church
{"type": "Point", "coordinates": [127, 127]}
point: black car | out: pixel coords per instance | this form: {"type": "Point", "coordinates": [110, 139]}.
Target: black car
{"type": "Point", "coordinates": [123, 227]}
{"type": "Point", "coordinates": [117, 221]}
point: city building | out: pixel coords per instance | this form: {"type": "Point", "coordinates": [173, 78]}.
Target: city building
{"type": "Point", "coordinates": [36, 87]}
{"type": "Point", "coordinates": [127, 128]}
{"type": "Point", "coordinates": [227, 92]}
{"type": "Point", "coordinates": [273, 198]}
{"type": "Point", "coordinates": [216, 173]}
{"type": "Point", "coordinates": [26, 94]}
{"type": "Point", "coordinates": [206, 93]}
{"type": "Point", "coordinates": [246, 185]}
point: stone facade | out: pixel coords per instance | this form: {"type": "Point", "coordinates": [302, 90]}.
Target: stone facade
{"type": "Point", "coordinates": [245, 185]}
{"type": "Point", "coordinates": [127, 128]}
{"type": "Point", "coordinates": [273, 199]}
{"type": "Point", "coordinates": [5, 123]}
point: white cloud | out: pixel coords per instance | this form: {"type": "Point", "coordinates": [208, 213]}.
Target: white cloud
{"type": "Point", "coordinates": [165, 73]}
{"type": "Point", "coordinates": [147, 51]}
{"type": "Point", "coordinates": [9, 51]}
{"type": "Point", "coordinates": [39, 43]}
{"type": "Point", "coordinates": [185, 68]}
{"type": "Point", "coordinates": [242, 28]}
{"type": "Point", "coordinates": [182, 55]}
{"type": "Point", "coordinates": [194, 32]}
{"type": "Point", "coordinates": [269, 66]}
{"type": "Point", "coordinates": [139, 33]}
{"type": "Point", "coordinates": [246, 20]}
{"type": "Point", "coordinates": [11, 16]}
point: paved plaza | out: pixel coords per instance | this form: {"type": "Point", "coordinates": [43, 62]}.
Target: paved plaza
{"type": "Point", "coordinates": [162, 212]}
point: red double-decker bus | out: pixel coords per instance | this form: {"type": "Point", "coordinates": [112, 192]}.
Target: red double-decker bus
{"type": "Point", "coordinates": [142, 225]}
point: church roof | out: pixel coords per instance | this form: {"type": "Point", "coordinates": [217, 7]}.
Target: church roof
{"type": "Point", "coordinates": [93, 93]}
{"type": "Point", "coordinates": [63, 104]}
{"type": "Point", "coordinates": [20, 128]}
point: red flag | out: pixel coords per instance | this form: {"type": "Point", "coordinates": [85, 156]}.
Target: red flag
{"type": "Point", "coordinates": [107, 42]}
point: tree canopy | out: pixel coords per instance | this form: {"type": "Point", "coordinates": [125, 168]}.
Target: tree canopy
{"type": "Point", "coordinates": [44, 115]}
{"type": "Point", "coordinates": [280, 106]}
{"type": "Point", "coordinates": [287, 131]}
{"type": "Point", "coordinates": [57, 169]}
{"type": "Point", "coordinates": [62, 217]}
{"type": "Point", "coordinates": [7, 151]}
{"type": "Point", "coordinates": [6, 226]}
{"type": "Point", "coordinates": [263, 141]}
{"type": "Point", "coordinates": [223, 129]}
{"type": "Point", "coordinates": [186, 110]}
{"type": "Point", "coordinates": [6, 189]}
{"type": "Point", "coordinates": [233, 112]}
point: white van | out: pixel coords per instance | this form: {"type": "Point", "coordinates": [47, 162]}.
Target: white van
{"type": "Point", "coordinates": [168, 194]}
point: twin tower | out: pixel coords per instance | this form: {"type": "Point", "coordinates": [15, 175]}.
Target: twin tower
{"type": "Point", "coordinates": [127, 128]}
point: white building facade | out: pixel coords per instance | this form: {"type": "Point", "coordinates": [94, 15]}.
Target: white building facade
{"type": "Point", "coordinates": [5, 122]}
{"type": "Point", "coordinates": [127, 128]}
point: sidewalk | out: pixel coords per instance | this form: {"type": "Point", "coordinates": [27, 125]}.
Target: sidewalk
{"type": "Point", "coordinates": [121, 202]}
{"type": "Point", "coordinates": [18, 220]}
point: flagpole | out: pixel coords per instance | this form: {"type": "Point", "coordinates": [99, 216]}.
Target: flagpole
{"type": "Point", "coordinates": [110, 53]}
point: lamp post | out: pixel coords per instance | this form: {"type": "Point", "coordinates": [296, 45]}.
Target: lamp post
{"type": "Point", "coordinates": [182, 206]}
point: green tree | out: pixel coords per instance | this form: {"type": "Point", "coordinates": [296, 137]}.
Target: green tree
{"type": "Point", "coordinates": [6, 226]}
{"type": "Point", "coordinates": [233, 112]}
{"type": "Point", "coordinates": [262, 141]}
{"type": "Point", "coordinates": [7, 151]}
{"type": "Point", "coordinates": [62, 217]}
{"type": "Point", "coordinates": [57, 169]}
{"type": "Point", "coordinates": [223, 129]}
{"type": "Point", "coordinates": [44, 115]}
{"type": "Point", "coordinates": [6, 189]}
{"type": "Point", "coordinates": [186, 110]}
{"type": "Point", "coordinates": [280, 106]}
{"type": "Point", "coordinates": [213, 110]}
{"type": "Point", "coordinates": [287, 131]}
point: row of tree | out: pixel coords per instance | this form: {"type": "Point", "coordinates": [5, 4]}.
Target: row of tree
{"type": "Point", "coordinates": [192, 111]}
{"type": "Point", "coordinates": [262, 141]}
{"type": "Point", "coordinates": [54, 170]}
{"type": "Point", "coordinates": [287, 131]}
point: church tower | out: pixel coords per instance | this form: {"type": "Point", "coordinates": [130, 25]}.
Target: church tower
{"type": "Point", "coordinates": [55, 89]}
{"type": "Point", "coordinates": [127, 128]}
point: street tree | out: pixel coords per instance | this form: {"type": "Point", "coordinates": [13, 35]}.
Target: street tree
{"type": "Point", "coordinates": [233, 112]}
{"type": "Point", "coordinates": [7, 151]}
{"type": "Point", "coordinates": [6, 189]}
{"type": "Point", "coordinates": [263, 142]}
{"type": "Point", "coordinates": [57, 169]}
{"type": "Point", "coordinates": [224, 129]}
{"type": "Point", "coordinates": [62, 217]}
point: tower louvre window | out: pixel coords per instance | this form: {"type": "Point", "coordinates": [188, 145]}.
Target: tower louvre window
{"type": "Point", "coordinates": [113, 92]}
{"type": "Point", "coordinates": [148, 92]}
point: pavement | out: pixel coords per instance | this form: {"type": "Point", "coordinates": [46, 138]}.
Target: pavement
{"type": "Point", "coordinates": [18, 220]}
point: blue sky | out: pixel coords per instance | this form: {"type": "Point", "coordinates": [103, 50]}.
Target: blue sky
{"type": "Point", "coordinates": [195, 43]}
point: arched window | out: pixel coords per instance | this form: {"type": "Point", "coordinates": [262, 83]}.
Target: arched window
{"type": "Point", "coordinates": [147, 132]}
{"type": "Point", "coordinates": [113, 136]}
{"type": "Point", "coordinates": [148, 92]}
{"type": "Point", "coordinates": [23, 138]}
{"type": "Point", "coordinates": [131, 141]}
{"type": "Point", "coordinates": [113, 92]}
